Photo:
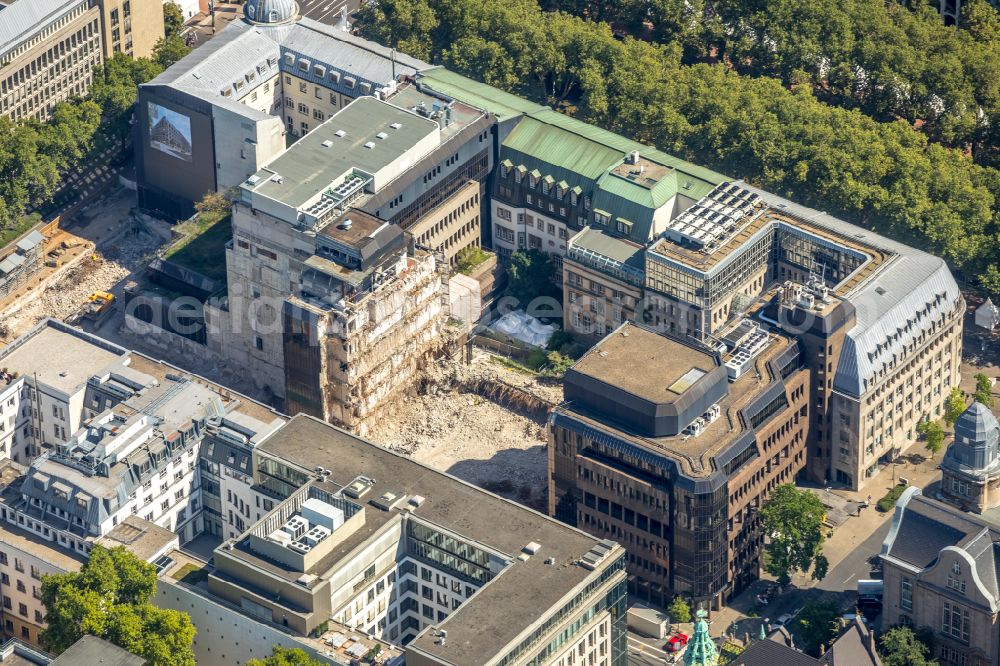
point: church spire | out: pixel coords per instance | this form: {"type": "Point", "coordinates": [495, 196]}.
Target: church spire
{"type": "Point", "coordinates": [701, 650]}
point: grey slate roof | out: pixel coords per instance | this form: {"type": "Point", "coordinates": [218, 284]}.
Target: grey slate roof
{"type": "Point", "coordinates": [977, 423]}
{"type": "Point", "coordinates": [893, 307]}
{"type": "Point", "coordinates": [24, 18]}
{"type": "Point", "coordinates": [772, 653]}
{"type": "Point", "coordinates": [93, 650]}
{"type": "Point", "coordinates": [922, 527]}
{"type": "Point", "coordinates": [243, 49]}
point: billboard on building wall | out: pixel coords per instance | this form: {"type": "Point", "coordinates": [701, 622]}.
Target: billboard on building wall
{"type": "Point", "coordinates": [169, 131]}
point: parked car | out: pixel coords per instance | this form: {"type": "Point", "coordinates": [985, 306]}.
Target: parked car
{"type": "Point", "coordinates": [676, 643]}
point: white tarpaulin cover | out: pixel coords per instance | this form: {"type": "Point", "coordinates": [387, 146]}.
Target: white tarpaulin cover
{"type": "Point", "coordinates": [524, 327]}
{"type": "Point", "coordinates": [988, 315]}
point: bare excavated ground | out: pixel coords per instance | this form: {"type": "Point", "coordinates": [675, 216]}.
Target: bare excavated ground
{"type": "Point", "coordinates": [121, 250]}
{"type": "Point", "coordinates": [496, 443]}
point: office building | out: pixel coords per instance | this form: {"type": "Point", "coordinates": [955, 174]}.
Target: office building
{"type": "Point", "coordinates": [940, 571]}
{"type": "Point", "coordinates": [273, 77]}
{"type": "Point", "coordinates": [369, 546]}
{"type": "Point", "coordinates": [603, 279]}
{"type": "Point", "coordinates": [881, 322]}
{"type": "Point", "coordinates": [50, 50]}
{"type": "Point", "coordinates": [670, 448]}
{"type": "Point", "coordinates": [970, 470]}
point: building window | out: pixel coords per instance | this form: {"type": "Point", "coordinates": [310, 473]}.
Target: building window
{"type": "Point", "coordinates": [259, 343]}
{"type": "Point", "coordinates": [906, 594]}
{"type": "Point", "coordinates": [955, 621]}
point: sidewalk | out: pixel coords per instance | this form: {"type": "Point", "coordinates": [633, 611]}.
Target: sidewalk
{"type": "Point", "coordinates": [913, 466]}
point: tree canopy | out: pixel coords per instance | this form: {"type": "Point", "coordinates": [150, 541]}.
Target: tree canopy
{"type": "Point", "coordinates": [901, 647]}
{"type": "Point", "coordinates": [109, 598]}
{"type": "Point", "coordinates": [281, 656]}
{"type": "Point", "coordinates": [984, 390]}
{"type": "Point", "coordinates": [531, 275]}
{"type": "Point", "coordinates": [793, 523]}
{"type": "Point", "coordinates": [954, 405]}
{"type": "Point", "coordinates": [173, 18]}
{"type": "Point", "coordinates": [679, 611]}
{"type": "Point", "coordinates": [818, 622]}
{"type": "Point", "coordinates": [933, 434]}
{"type": "Point", "coordinates": [873, 170]}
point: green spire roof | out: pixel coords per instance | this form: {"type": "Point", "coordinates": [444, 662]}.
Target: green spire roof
{"type": "Point", "coordinates": [701, 650]}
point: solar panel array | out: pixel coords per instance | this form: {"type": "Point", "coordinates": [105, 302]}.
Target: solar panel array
{"type": "Point", "coordinates": [715, 218]}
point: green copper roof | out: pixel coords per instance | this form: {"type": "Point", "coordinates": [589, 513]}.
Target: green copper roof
{"type": "Point", "coordinates": [480, 95]}
{"type": "Point", "coordinates": [566, 150]}
{"type": "Point", "coordinates": [701, 650]}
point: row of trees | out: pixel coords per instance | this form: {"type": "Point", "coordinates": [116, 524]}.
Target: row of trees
{"type": "Point", "coordinates": [881, 175]}
{"type": "Point", "coordinates": [35, 155]}
{"type": "Point", "coordinates": [883, 58]}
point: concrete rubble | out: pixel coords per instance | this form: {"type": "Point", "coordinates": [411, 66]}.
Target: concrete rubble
{"type": "Point", "coordinates": [496, 442]}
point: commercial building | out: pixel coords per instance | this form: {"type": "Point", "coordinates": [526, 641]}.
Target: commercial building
{"type": "Point", "coordinates": [51, 49]}
{"type": "Point", "coordinates": [369, 543]}
{"type": "Point", "coordinates": [970, 470]}
{"type": "Point", "coordinates": [670, 448]}
{"type": "Point", "coordinates": [603, 279]}
{"type": "Point", "coordinates": [557, 175]}
{"type": "Point", "coordinates": [940, 571]}
{"type": "Point", "coordinates": [881, 322]}
{"type": "Point", "coordinates": [854, 647]}
{"type": "Point", "coordinates": [335, 310]}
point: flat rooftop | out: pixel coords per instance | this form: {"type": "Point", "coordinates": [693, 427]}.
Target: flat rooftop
{"type": "Point", "coordinates": [705, 262]}
{"type": "Point", "coordinates": [60, 356]}
{"type": "Point", "coordinates": [143, 538]}
{"type": "Point", "coordinates": [660, 369]}
{"type": "Point", "coordinates": [340, 144]}
{"type": "Point", "coordinates": [461, 115]}
{"type": "Point", "coordinates": [644, 363]}
{"type": "Point", "coordinates": [495, 615]}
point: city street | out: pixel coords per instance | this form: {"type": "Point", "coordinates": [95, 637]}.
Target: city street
{"type": "Point", "coordinates": [327, 11]}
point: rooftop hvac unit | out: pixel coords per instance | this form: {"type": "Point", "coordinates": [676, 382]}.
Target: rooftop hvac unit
{"type": "Point", "coordinates": [299, 547]}
{"type": "Point", "coordinates": [280, 536]}
{"type": "Point", "coordinates": [315, 535]}
{"type": "Point", "coordinates": [698, 426]}
{"type": "Point", "coordinates": [713, 413]}
{"type": "Point", "coordinates": [296, 526]}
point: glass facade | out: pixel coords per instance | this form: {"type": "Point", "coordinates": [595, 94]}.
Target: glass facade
{"type": "Point", "coordinates": [449, 554]}
{"type": "Point", "coordinates": [614, 601]}
{"type": "Point", "coordinates": [812, 253]}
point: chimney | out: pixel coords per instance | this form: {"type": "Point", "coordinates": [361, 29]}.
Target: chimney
{"type": "Point", "coordinates": [822, 649]}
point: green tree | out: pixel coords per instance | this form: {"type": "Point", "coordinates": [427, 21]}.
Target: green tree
{"type": "Point", "coordinates": [678, 610]}
{"type": "Point", "coordinates": [861, 160]}
{"type": "Point", "coordinates": [170, 49]}
{"type": "Point", "coordinates": [173, 19]}
{"type": "Point", "coordinates": [933, 433]}
{"type": "Point", "coordinates": [817, 625]}
{"type": "Point", "coordinates": [109, 598]}
{"type": "Point", "coordinates": [793, 524]}
{"type": "Point", "coordinates": [984, 391]}
{"type": "Point", "coordinates": [901, 647]}
{"type": "Point", "coordinates": [954, 405]}
{"type": "Point", "coordinates": [281, 656]}
{"type": "Point", "coordinates": [530, 275]}
{"type": "Point", "coordinates": [114, 90]}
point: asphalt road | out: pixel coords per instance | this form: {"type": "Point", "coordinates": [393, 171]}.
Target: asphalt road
{"type": "Point", "coordinates": [327, 11]}
{"type": "Point", "coordinates": [845, 575]}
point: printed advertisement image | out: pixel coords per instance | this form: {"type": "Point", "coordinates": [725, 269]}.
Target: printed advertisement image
{"type": "Point", "coordinates": [169, 132]}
